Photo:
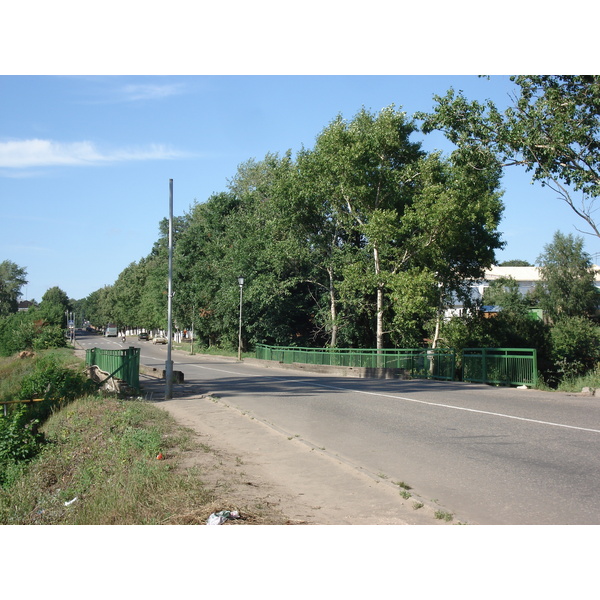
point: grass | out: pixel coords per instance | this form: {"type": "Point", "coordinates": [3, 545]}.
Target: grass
{"type": "Point", "coordinates": [576, 384]}
{"type": "Point", "coordinates": [442, 515]}
{"type": "Point", "coordinates": [211, 350]}
{"type": "Point", "coordinates": [102, 451]}
{"type": "Point", "coordinates": [99, 466]}
{"type": "Point", "coordinates": [13, 369]}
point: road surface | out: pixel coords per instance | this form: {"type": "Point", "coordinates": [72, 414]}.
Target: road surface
{"type": "Point", "coordinates": [488, 455]}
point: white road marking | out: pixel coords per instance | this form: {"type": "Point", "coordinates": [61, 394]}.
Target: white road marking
{"type": "Point", "coordinates": [406, 399]}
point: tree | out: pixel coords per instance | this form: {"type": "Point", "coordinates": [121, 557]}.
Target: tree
{"type": "Point", "coordinates": [54, 306]}
{"type": "Point", "coordinates": [515, 263]}
{"type": "Point", "coordinates": [566, 287]}
{"type": "Point", "coordinates": [12, 279]}
{"type": "Point", "coordinates": [504, 292]}
{"type": "Point", "coordinates": [411, 220]}
{"type": "Point", "coordinates": [552, 129]}
{"type": "Point", "coordinates": [366, 169]}
{"type": "Point", "coordinates": [362, 239]}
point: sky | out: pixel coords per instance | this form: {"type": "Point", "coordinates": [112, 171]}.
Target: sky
{"type": "Point", "coordinates": [85, 161]}
{"type": "Point", "coordinates": [98, 113]}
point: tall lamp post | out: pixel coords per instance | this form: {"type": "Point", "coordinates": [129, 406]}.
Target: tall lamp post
{"type": "Point", "coordinates": [169, 363]}
{"type": "Point", "coordinates": [241, 282]}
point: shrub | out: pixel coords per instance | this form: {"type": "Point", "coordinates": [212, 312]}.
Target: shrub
{"type": "Point", "coordinates": [19, 436]}
{"type": "Point", "coordinates": [575, 346]}
{"type": "Point", "coordinates": [49, 377]}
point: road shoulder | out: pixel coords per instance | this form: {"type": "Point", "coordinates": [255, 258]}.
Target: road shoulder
{"type": "Point", "coordinates": [303, 482]}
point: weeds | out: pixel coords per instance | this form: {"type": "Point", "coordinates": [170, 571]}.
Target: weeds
{"type": "Point", "coordinates": [576, 384]}
{"type": "Point", "coordinates": [442, 515]}
{"type": "Point", "coordinates": [103, 451]}
{"type": "Point", "coordinates": [403, 485]}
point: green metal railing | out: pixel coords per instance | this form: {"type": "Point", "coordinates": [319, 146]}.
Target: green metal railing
{"type": "Point", "coordinates": [123, 363]}
{"type": "Point", "coordinates": [506, 366]}
{"type": "Point", "coordinates": [419, 362]}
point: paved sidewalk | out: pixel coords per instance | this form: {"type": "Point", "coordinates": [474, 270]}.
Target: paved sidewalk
{"type": "Point", "coordinates": [306, 483]}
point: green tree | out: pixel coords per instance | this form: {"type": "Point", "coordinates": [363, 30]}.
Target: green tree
{"type": "Point", "coordinates": [566, 287]}
{"type": "Point", "coordinates": [504, 292]}
{"type": "Point", "coordinates": [515, 263]}
{"type": "Point", "coordinates": [366, 169]}
{"type": "Point", "coordinates": [403, 214]}
{"type": "Point", "coordinates": [552, 128]}
{"type": "Point", "coordinates": [97, 307]}
{"type": "Point", "coordinates": [12, 279]}
{"type": "Point", "coordinates": [54, 306]}
{"type": "Point", "coordinates": [198, 258]}
{"type": "Point", "coordinates": [261, 243]}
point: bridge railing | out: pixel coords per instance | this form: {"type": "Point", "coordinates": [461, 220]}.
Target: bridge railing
{"type": "Point", "coordinates": [418, 362]}
{"type": "Point", "coordinates": [122, 363]}
{"type": "Point", "coordinates": [508, 366]}
{"type": "Point", "coordinates": [504, 366]}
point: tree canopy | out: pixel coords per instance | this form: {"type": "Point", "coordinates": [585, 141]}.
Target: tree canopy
{"type": "Point", "coordinates": [552, 128]}
{"type": "Point", "coordinates": [12, 279]}
{"type": "Point", "coordinates": [359, 241]}
{"type": "Point", "coordinates": [566, 286]}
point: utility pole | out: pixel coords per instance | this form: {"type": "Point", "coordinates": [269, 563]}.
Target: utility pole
{"type": "Point", "coordinates": [169, 365]}
{"type": "Point", "coordinates": [241, 283]}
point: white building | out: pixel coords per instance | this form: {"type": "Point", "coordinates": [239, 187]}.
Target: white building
{"type": "Point", "coordinates": [526, 277]}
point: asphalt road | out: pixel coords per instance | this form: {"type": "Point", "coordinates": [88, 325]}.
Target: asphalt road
{"type": "Point", "coordinates": [489, 455]}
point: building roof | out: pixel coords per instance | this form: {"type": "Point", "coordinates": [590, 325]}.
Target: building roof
{"type": "Point", "coordinates": [522, 273]}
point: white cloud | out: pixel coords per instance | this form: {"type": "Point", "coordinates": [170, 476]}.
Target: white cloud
{"type": "Point", "coordinates": [135, 92]}
{"type": "Point", "coordinates": [45, 153]}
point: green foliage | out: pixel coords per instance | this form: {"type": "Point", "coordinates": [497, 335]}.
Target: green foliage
{"type": "Point", "coordinates": [102, 451]}
{"type": "Point", "coordinates": [49, 336]}
{"type": "Point", "coordinates": [552, 129]}
{"type": "Point", "coordinates": [504, 292]}
{"type": "Point", "coordinates": [51, 376]}
{"type": "Point", "coordinates": [576, 383]}
{"type": "Point", "coordinates": [12, 279]}
{"type": "Point", "coordinates": [28, 331]}
{"type": "Point", "coordinates": [19, 437]}
{"type": "Point", "coordinates": [515, 263]}
{"type": "Point", "coordinates": [567, 279]}
{"type": "Point", "coordinates": [54, 381]}
{"type": "Point", "coordinates": [575, 346]}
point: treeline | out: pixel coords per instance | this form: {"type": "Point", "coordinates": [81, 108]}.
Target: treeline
{"type": "Point", "coordinates": [41, 326]}
{"type": "Point", "coordinates": [362, 241]}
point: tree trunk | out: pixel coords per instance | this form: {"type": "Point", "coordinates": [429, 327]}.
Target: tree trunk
{"type": "Point", "coordinates": [379, 330]}
{"type": "Point", "coordinates": [333, 308]}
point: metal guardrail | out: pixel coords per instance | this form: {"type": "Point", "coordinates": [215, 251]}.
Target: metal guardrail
{"type": "Point", "coordinates": [420, 362]}
{"type": "Point", "coordinates": [504, 366]}
{"type": "Point", "coordinates": [122, 363]}
{"type": "Point", "coordinates": [507, 366]}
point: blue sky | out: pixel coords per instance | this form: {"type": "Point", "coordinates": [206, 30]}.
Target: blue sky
{"type": "Point", "coordinates": [85, 161]}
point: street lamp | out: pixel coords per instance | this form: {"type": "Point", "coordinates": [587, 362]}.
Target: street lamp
{"type": "Point", "coordinates": [241, 282]}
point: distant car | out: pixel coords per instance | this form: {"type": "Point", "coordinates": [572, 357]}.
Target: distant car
{"type": "Point", "coordinates": [142, 336]}
{"type": "Point", "coordinates": [159, 340]}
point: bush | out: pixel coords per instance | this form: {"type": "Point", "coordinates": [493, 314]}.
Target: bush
{"type": "Point", "coordinates": [53, 381]}
{"type": "Point", "coordinates": [575, 346]}
{"type": "Point", "coordinates": [19, 436]}
{"type": "Point", "coordinates": [28, 331]}
{"type": "Point", "coordinates": [49, 377]}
